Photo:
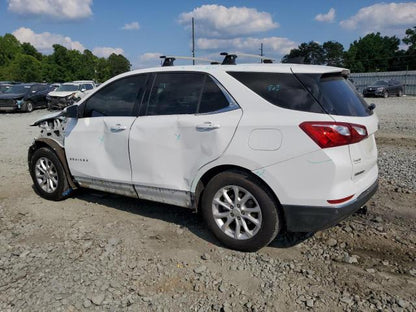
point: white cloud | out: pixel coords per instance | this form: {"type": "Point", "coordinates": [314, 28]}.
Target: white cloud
{"type": "Point", "coordinates": [150, 59]}
{"type": "Point", "coordinates": [382, 17]}
{"type": "Point", "coordinates": [328, 17]}
{"type": "Point", "coordinates": [217, 21]}
{"type": "Point", "coordinates": [43, 42]}
{"type": "Point", "coordinates": [106, 51]}
{"type": "Point", "coordinates": [248, 45]}
{"type": "Point", "coordinates": [131, 26]}
{"type": "Point", "coordinates": [58, 9]}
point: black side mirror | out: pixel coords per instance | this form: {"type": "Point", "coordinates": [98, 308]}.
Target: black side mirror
{"type": "Point", "coordinates": [72, 111]}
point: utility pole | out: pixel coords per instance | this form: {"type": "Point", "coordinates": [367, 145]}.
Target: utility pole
{"type": "Point", "coordinates": [193, 40]}
{"type": "Point", "coordinates": [261, 52]}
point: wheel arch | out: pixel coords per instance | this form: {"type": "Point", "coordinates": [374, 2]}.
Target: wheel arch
{"type": "Point", "coordinates": [212, 172]}
{"type": "Point", "coordinates": [59, 152]}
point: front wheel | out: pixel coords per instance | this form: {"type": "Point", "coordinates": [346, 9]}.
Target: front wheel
{"type": "Point", "coordinates": [48, 175]}
{"type": "Point", "coordinates": [27, 107]}
{"type": "Point", "coordinates": [240, 213]}
{"type": "Point", "coordinates": [386, 94]}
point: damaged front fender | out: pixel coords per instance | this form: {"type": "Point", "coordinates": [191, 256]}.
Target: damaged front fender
{"type": "Point", "coordinates": [52, 134]}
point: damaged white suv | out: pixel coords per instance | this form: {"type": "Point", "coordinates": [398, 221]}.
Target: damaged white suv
{"type": "Point", "coordinates": [259, 148]}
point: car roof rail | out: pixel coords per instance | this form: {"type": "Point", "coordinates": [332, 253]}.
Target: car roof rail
{"type": "Point", "coordinates": [264, 59]}
{"type": "Point", "coordinates": [169, 59]}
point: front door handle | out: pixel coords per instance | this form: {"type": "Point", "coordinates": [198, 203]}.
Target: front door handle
{"type": "Point", "coordinates": [207, 126]}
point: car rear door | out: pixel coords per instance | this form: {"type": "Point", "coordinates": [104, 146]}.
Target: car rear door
{"type": "Point", "coordinates": [187, 123]}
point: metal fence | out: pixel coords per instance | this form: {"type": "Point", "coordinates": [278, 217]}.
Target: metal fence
{"type": "Point", "coordinates": [407, 78]}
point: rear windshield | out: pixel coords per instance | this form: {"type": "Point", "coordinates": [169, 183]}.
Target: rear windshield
{"type": "Point", "coordinates": [306, 92]}
{"type": "Point", "coordinates": [336, 94]}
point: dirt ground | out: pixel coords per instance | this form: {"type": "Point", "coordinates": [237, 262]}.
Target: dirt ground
{"type": "Point", "coordinates": [103, 252]}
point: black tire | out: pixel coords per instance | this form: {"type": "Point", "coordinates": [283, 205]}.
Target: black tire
{"type": "Point", "coordinates": [27, 107]}
{"type": "Point", "coordinates": [400, 93]}
{"type": "Point", "coordinates": [259, 235]}
{"type": "Point", "coordinates": [386, 94]}
{"type": "Point", "coordinates": [48, 175]}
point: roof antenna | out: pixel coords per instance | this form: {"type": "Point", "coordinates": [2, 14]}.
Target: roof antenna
{"type": "Point", "coordinates": [229, 59]}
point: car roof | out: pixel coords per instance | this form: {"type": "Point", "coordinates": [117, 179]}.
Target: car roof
{"type": "Point", "coordinates": [265, 68]}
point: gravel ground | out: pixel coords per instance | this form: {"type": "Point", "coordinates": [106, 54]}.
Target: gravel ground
{"type": "Point", "coordinates": [100, 252]}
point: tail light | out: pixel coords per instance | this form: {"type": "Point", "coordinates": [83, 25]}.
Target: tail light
{"type": "Point", "coordinates": [332, 134]}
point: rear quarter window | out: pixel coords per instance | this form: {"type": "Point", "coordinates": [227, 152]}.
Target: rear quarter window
{"type": "Point", "coordinates": [280, 89]}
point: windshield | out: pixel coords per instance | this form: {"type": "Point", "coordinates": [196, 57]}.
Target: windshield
{"type": "Point", "coordinates": [17, 89]}
{"type": "Point", "coordinates": [67, 88]}
{"type": "Point", "coordinates": [381, 83]}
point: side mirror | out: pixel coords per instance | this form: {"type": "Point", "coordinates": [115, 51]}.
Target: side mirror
{"type": "Point", "coordinates": [72, 111]}
{"type": "Point", "coordinates": [83, 90]}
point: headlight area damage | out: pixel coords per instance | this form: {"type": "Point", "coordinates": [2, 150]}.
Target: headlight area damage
{"type": "Point", "coordinates": [52, 134]}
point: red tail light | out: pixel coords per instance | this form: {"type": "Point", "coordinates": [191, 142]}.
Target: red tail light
{"type": "Point", "coordinates": [331, 134]}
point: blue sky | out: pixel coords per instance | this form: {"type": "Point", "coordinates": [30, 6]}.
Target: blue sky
{"type": "Point", "coordinates": [143, 30]}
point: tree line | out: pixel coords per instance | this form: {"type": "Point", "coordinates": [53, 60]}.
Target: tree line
{"type": "Point", "coordinates": [370, 53]}
{"type": "Point", "coordinates": [22, 62]}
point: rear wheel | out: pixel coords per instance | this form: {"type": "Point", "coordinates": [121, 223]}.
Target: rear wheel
{"type": "Point", "coordinates": [48, 175]}
{"type": "Point", "coordinates": [239, 212]}
{"type": "Point", "coordinates": [400, 93]}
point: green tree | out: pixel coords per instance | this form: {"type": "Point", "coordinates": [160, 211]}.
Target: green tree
{"type": "Point", "coordinates": [25, 68]}
{"type": "Point", "coordinates": [118, 64]}
{"type": "Point", "coordinates": [10, 47]}
{"type": "Point", "coordinates": [311, 52]}
{"type": "Point", "coordinates": [29, 49]}
{"type": "Point", "coordinates": [334, 53]}
{"type": "Point", "coordinates": [410, 54]}
{"type": "Point", "coordinates": [372, 53]}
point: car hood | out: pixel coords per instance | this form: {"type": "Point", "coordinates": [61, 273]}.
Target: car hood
{"type": "Point", "coordinates": [61, 93]}
{"type": "Point", "coordinates": [375, 87]}
{"type": "Point", "coordinates": [12, 96]}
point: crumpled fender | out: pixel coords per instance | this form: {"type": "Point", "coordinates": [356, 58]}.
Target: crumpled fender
{"type": "Point", "coordinates": [59, 151]}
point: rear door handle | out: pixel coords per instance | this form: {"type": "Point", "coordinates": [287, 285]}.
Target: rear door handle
{"type": "Point", "coordinates": [207, 126]}
{"type": "Point", "coordinates": [117, 128]}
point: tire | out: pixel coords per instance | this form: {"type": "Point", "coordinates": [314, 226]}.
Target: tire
{"type": "Point", "coordinates": [48, 175]}
{"type": "Point", "coordinates": [400, 93]}
{"type": "Point", "coordinates": [236, 228]}
{"type": "Point", "coordinates": [386, 94]}
{"type": "Point", "coordinates": [27, 107]}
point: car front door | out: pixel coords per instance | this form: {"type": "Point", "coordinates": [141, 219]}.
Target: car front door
{"type": "Point", "coordinates": [97, 144]}
{"type": "Point", "coordinates": [188, 122]}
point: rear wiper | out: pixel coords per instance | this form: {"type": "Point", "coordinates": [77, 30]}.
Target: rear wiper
{"type": "Point", "coordinates": [371, 107]}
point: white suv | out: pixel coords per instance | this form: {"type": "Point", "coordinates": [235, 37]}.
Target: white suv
{"type": "Point", "coordinates": [259, 149]}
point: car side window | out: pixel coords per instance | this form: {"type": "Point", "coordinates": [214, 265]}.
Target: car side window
{"type": "Point", "coordinates": [175, 93]}
{"type": "Point", "coordinates": [185, 93]}
{"type": "Point", "coordinates": [116, 99]}
{"type": "Point", "coordinates": [213, 99]}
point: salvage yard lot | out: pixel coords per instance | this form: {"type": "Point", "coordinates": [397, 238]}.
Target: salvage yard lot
{"type": "Point", "coordinates": [103, 252]}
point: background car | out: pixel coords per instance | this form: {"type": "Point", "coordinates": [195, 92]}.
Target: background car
{"type": "Point", "coordinates": [24, 97]}
{"type": "Point", "coordinates": [384, 89]}
{"type": "Point", "coordinates": [68, 93]}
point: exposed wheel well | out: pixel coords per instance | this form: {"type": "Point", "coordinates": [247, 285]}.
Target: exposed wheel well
{"type": "Point", "coordinates": [59, 152]}
{"type": "Point", "coordinates": [214, 171]}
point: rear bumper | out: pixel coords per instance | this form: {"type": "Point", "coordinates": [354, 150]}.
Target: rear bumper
{"type": "Point", "coordinates": [312, 219]}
